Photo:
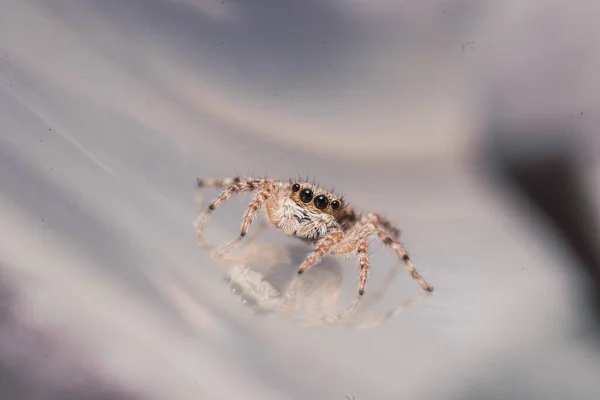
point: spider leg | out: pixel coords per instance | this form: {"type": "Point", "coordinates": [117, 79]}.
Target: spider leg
{"type": "Point", "coordinates": [398, 248]}
{"type": "Point", "coordinates": [257, 202]}
{"type": "Point", "coordinates": [233, 186]}
{"type": "Point", "coordinates": [218, 183]}
{"type": "Point", "coordinates": [363, 261]}
{"type": "Point", "coordinates": [322, 249]}
{"type": "Point", "coordinates": [356, 241]}
{"type": "Point", "coordinates": [385, 223]}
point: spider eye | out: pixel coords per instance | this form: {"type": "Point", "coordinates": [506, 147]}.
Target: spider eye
{"type": "Point", "coordinates": [296, 187]}
{"type": "Point", "coordinates": [321, 202]}
{"type": "Point", "coordinates": [306, 195]}
{"type": "Point", "coordinates": [335, 204]}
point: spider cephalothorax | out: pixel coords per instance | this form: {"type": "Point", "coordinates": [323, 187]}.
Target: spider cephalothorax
{"type": "Point", "coordinates": [314, 215]}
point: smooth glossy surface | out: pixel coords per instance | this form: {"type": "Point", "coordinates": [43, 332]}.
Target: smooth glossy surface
{"type": "Point", "coordinates": [110, 110]}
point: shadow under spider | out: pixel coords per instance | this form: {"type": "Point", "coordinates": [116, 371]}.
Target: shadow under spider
{"type": "Point", "coordinates": [264, 276]}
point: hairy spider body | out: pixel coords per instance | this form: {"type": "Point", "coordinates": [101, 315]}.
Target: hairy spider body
{"type": "Point", "coordinates": [313, 214]}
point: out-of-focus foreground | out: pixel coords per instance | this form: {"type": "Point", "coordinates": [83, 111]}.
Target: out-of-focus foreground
{"type": "Point", "coordinates": [110, 109]}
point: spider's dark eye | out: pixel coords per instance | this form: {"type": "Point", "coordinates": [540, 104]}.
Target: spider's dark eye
{"type": "Point", "coordinates": [306, 195]}
{"type": "Point", "coordinates": [335, 204]}
{"type": "Point", "coordinates": [321, 202]}
{"type": "Point", "coordinates": [296, 187]}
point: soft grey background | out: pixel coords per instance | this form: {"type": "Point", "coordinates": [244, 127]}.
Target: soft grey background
{"type": "Point", "coordinates": [110, 109]}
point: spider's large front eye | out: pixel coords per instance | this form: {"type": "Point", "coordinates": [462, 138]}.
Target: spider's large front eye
{"type": "Point", "coordinates": [306, 195]}
{"type": "Point", "coordinates": [295, 187]}
{"type": "Point", "coordinates": [335, 204]}
{"type": "Point", "coordinates": [321, 202]}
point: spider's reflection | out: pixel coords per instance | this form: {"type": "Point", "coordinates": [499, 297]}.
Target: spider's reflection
{"type": "Point", "coordinates": [264, 277]}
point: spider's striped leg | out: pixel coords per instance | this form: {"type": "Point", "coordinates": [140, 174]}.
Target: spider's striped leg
{"type": "Point", "coordinates": [232, 186]}
{"type": "Point", "coordinates": [363, 260]}
{"type": "Point", "coordinates": [257, 202]}
{"type": "Point", "coordinates": [218, 183]}
{"type": "Point", "coordinates": [382, 222]}
{"type": "Point", "coordinates": [322, 249]}
{"type": "Point", "coordinates": [398, 248]}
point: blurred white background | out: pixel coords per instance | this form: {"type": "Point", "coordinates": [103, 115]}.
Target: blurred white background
{"type": "Point", "coordinates": [111, 109]}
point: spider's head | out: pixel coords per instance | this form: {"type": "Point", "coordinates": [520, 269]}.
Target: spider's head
{"type": "Point", "coordinates": [316, 200]}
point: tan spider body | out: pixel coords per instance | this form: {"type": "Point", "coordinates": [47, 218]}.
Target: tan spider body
{"type": "Point", "coordinates": [317, 216]}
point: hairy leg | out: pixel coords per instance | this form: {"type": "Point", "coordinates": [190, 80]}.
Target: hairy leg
{"type": "Point", "coordinates": [257, 202]}
{"type": "Point", "coordinates": [217, 183]}
{"type": "Point", "coordinates": [356, 240]}
{"type": "Point", "coordinates": [363, 261]}
{"type": "Point", "coordinates": [381, 221]}
{"type": "Point", "coordinates": [232, 186]}
{"type": "Point", "coordinates": [322, 249]}
{"type": "Point", "coordinates": [398, 249]}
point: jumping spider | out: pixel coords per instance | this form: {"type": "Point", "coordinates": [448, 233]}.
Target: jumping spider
{"type": "Point", "coordinates": [317, 216]}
